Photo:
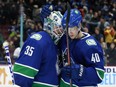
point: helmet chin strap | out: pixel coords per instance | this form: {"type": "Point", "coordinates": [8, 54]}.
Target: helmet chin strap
{"type": "Point", "coordinates": [79, 29]}
{"type": "Point", "coordinates": [77, 34]}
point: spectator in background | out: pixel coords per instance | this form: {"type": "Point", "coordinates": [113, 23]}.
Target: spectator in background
{"type": "Point", "coordinates": [114, 40]}
{"type": "Point", "coordinates": [111, 55]}
{"type": "Point", "coordinates": [85, 26]}
{"type": "Point", "coordinates": [89, 15]}
{"type": "Point", "coordinates": [83, 10]}
{"type": "Point", "coordinates": [94, 22]}
{"type": "Point", "coordinates": [109, 34]}
{"type": "Point", "coordinates": [114, 23]}
{"type": "Point", "coordinates": [104, 47]}
{"type": "Point", "coordinates": [36, 10]}
{"type": "Point", "coordinates": [105, 9]}
{"type": "Point", "coordinates": [38, 26]}
{"type": "Point", "coordinates": [84, 3]}
{"type": "Point", "coordinates": [14, 11]}
{"type": "Point", "coordinates": [59, 7]}
{"type": "Point", "coordinates": [98, 35]}
{"type": "Point", "coordinates": [30, 26]}
{"type": "Point", "coordinates": [102, 24]}
{"type": "Point", "coordinates": [1, 13]}
{"type": "Point", "coordinates": [31, 29]}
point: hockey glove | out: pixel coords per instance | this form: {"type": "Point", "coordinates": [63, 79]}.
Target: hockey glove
{"type": "Point", "coordinates": [46, 11]}
{"type": "Point", "coordinates": [75, 71]}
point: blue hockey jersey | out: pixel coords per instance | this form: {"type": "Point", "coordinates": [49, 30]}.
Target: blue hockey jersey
{"type": "Point", "coordinates": [36, 65]}
{"type": "Point", "coordinates": [88, 52]}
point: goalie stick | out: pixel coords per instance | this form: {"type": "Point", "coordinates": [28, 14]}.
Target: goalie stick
{"type": "Point", "coordinates": [67, 40]}
{"type": "Point", "coordinates": [6, 48]}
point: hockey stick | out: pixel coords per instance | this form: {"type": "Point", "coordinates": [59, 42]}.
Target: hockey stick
{"type": "Point", "coordinates": [67, 40]}
{"type": "Point", "coordinates": [6, 48]}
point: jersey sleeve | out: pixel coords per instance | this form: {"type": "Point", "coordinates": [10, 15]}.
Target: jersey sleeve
{"type": "Point", "coordinates": [94, 65]}
{"type": "Point", "coordinates": [27, 65]}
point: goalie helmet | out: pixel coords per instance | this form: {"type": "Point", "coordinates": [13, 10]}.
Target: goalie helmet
{"type": "Point", "coordinates": [52, 25]}
{"type": "Point", "coordinates": [75, 18]}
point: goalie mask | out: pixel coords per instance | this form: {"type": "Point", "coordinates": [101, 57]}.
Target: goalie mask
{"type": "Point", "coordinates": [52, 25]}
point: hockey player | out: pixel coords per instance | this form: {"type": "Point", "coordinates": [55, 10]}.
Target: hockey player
{"type": "Point", "coordinates": [37, 63]}
{"type": "Point", "coordinates": [87, 62]}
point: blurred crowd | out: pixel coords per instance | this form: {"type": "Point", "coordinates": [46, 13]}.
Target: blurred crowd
{"type": "Point", "coordinates": [99, 19]}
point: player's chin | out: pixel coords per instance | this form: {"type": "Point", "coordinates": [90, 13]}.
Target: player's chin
{"type": "Point", "coordinates": [72, 37]}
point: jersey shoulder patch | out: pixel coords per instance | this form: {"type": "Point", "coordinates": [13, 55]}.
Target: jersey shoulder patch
{"type": "Point", "coordinates": [36, 36]}
{"type": "Point", "coordinates": [91, 42]}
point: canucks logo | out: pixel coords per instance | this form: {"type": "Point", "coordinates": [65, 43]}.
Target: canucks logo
{"type": "Point", "coordinates": [76, 12]}
{"type": "Point", "coordinates": [65, 58]}
{"type": "Point", "coordinates": [36, 36]}
{"type": "Point", "coordinates": [91, 42]}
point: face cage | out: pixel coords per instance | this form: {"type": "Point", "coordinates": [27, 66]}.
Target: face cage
{"type": "Point", "coordinates": [56, 35]}
{"type": "Point", "coordinates": [50, 28]}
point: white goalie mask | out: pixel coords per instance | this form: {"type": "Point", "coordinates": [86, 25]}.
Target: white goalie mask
{"type": "Point", "coordinates": [52, 25]}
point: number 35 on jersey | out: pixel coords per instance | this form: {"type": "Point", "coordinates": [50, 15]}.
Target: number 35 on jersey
{"type": "Point", "coordinates": [29, 50]}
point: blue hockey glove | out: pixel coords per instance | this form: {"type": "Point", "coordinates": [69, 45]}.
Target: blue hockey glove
{"type": "Point", "coordinates": [75, 71]}
{"type": "Point", "coordinates": [46, 11]}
